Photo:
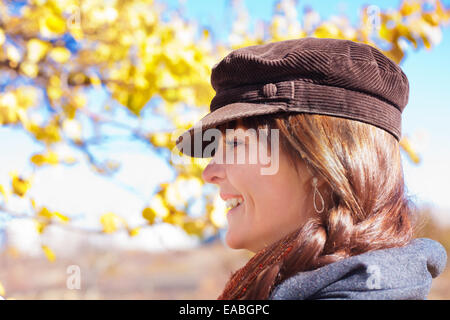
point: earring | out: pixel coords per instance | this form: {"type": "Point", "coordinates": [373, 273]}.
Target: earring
{"type": "Point", "coordinates": [316, 190]}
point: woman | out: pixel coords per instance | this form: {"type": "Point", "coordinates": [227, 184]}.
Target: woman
{"type": "Point", "coordinates": [333, 220]}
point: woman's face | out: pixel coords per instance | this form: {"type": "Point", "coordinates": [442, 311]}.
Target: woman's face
{"type": "Point", "coordinates": [272, 204]}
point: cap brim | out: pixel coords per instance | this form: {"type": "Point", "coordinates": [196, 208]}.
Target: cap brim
{"type": "Point", "coordinates": [192, 143]}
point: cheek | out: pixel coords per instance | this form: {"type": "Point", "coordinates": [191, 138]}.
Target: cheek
{"type": "Point", "coordinates": [267, 199]}
{"type": "Point", "coordinates": [244, 177]}
{"type": "Point", "coordinates": [278, 200]}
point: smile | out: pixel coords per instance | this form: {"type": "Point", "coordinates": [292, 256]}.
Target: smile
{"type": "Point", "coordinates": [233, 202]}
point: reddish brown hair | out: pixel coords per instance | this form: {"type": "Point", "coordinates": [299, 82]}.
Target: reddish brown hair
{"type": "Point", "coordinates": [366, 206]}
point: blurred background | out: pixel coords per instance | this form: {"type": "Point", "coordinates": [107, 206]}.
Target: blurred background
{"type": "Point", "coordinates": [94, 200]}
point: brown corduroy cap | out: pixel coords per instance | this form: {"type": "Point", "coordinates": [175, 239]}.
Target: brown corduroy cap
{"type": "Point", "coordinates": [326, 76]}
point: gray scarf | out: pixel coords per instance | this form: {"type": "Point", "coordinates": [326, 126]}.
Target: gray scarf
{"type": "Point", "coordinates": [402, 273]}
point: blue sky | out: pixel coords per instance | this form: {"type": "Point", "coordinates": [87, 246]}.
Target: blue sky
{"type": "Point", "coordinates": [84, 195]}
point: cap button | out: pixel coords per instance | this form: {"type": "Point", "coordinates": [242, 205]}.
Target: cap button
{"type": "Point", "coordinates": [269, 90]}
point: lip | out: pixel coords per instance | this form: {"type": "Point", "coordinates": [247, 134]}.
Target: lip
{"type": "Point", "coordinates": [226, 196]}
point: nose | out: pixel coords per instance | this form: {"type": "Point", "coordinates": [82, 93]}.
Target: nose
{"type": "Point", "coordinates": [213, 172]}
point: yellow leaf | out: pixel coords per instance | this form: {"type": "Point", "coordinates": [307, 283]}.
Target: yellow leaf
{"type": "Point", "coordinates": [54, 92]}
{"type": "Point", "coordinates": [395, 53]}
{"type": "Point", "coordinates": [49, 253]}
{"type": "Point", "coordinates": [9, 100]}
{"type": "Point", "coordinates": [20, 186]}
{"type": "Point", "coordinates": [176, 194]}
{"type": "Point", "coordinates": [48, 158]}
{"type": "Point", "coordinates": [110, 222]}
{"type": "Point", "coordinates": [406, 145]}
{"type": "Point", "coordinates": [95, 81]}
{"type": "Point", "coordinates": [54, 88]}
{"type": "Point", "coordinates": [149, 215]}
{"type": "Point", "coordinates": [2, 37]}
{"type": "Point", "coordinates": [60, 54]}
{"type": "Point", "coordinates": [45, 213]}
{"type": "Point", "coordinates": [134, 232]}
{"type": "Point", "coordinates": [431, 17]}
{"type": "Point", "coordinates": [194, 227]}
{"type": "Point", "coordinates": [326, 30]}
{"type": "Point", "coordinates": [51, 158]}
{"type": "Point", "coordinates": [409, 7]}
{"type": "Point", "coordinates": [40, 226]}
{"type": "Point", "coordinates": [176, 218]}
{"type": "Point", "coordinates": [38, 159]}
{"type": "Point", "coordinates": [36, 50]}
{"type": "Point", "coordinates": [52, 24]}
{"type": "Point", "coordinates": [30, 69]}
{"type": "Point", "coordinates": [76, 32]}
{"type": "Point", "coordinates": [13, 54]}
{"type": "Point", "coordinates": [158, 204]}
{"type": "Point", "coordinates": [26, 96]}
{"type": "Point", "coordinates": [49, 134]}
{"type": "Point", "coordinates": [79, 100]}
{"type": "Point", "coordinates": [3, 192]}
{"type": "Point", "coordinates": [61, 217]}
{"type": "Point", "coordinates": [426, 41]}
{"type": "Point", "coordinates": [160, 139]}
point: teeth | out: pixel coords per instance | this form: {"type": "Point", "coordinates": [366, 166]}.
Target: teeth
{"type": "Point", "coordinates": [233, 202]}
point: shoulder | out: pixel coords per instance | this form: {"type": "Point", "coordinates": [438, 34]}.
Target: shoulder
{"type": "Point", "coordinates": [395, 273]}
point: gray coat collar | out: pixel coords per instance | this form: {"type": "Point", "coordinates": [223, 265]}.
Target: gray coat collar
{"type": "Point", "coordinates": [395, 273]}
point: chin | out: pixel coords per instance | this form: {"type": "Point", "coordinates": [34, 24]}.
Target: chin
{"type": "Point", "coordinates": [234, 242]}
